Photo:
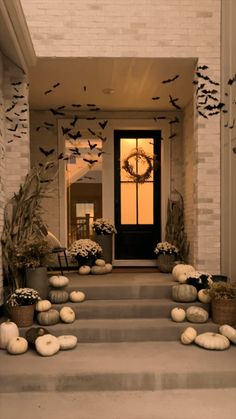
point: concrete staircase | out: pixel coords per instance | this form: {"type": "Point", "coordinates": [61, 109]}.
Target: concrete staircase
{"type": "Point", "coordinates": [128, 349]}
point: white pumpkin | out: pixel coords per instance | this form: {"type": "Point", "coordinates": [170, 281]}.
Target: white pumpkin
{"type": "Point", "coordinates": [47, 345]}
{"type": "Point", "coordinates": [17, 346]}
{"type": "Point", "coordinates": [8, 330]}
{"type": "Point", "coordinates": [188, 335]}
{"type": "Point", "coordinates": [98, 270]}
{"type": "Point", "coordinates": [84, 270]}
{"type": "Point", "coordinates": [204, 296]}
{"type": "Point", "coordinates": [58, 281]}
{"type": "Point", "coordinates": [67, 314]}
{"type": "Point", "coordinates": [229, 332]}
{"type": "Point", "coordinates": [100, 262]}
{"type": "Point", "coordinates": [181, 271]}
{"type": "Point", "coordinates": [43, 305]}
{"type": "Point", "coordinates": [77, 296]}
{"type": "Point", "coordinates": [178, 314]}
{"type": "Point", "coordinates": [108, 267]}
{"type": "Point", "coordinates": [196, 314]}
{"type": "Point", "coordinates": [214, 341]}
{"type": "Point", "coordinates": [67, 341]}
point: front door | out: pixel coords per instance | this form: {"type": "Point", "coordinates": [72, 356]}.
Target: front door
{"type": "Point", "coordinates": [137, 193]}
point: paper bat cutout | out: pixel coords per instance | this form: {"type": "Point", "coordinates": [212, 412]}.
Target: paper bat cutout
{"type": "Point", "coordinates": [202, 67]}
{"type": "Point", "coordinates": [90, 104]}
{"type": "Point", "coordinates": [85, 88]}
{"type": "Point", "coordinates": [17, 136]}
{"type": "Point", "coordinates": [46, 152]}
{"type": "Point", "coordinates": [75, 151]}
{"type": "Point", "coordinates": [103, 124]}
{"type": "Point", "coordinates": [172, 135]}
{"type": "Point", "coordinates": [170, 80]}
{"type": "Point", "coordinates": [74, 121]}
{"type": "Point", "coordinates": [92, 132]}
{"type": "Point", "coordinates": [18, 96]}
{"type": "Point", "coordinates": [90, 161]}
{"type": "Point", "coordinates": [11, 107]}
{"type": "Point", "coordinates": [100, 153]}
{"type": "Point", "coordinates": [48, 91]}
{"type": "Point", "coordinates": [202, 114]}
{"type": "Point", "coordinates": [13, 129]}
{"type": "Point", "coordinates": [91, 118]}
{"type": "Point", "coordinates": [24, 110]}
{"type": "Point", "coordinates": [91, 146]}
{"type": "Point", "coordinates": [211, 92]}
{"type": "Point", "coordinates": [95, 109]}
{"type": "Point", "coordinates": [56, 85]}
{"type": "Point", "coordinates": [232, 126]}
{"type": "Point", "coordinates": [48, 124]}
{"type": "Point", "coordinates": [159, 117]}
{"type": "Point", "coordinates": [16, 83]}
{"type": "Point", "coordinates": [200, 75]}
{"type": "Point", "coordinates": [174, 121]}
{"type": "Point", "coordinates": [76, 105]}
{"type": "Point", "coordinates": [200, 87]}
{"type": "Point", "coordinates": [60, 156]}
{"type": "Point", "coordinates": [172, 101]}
{"type": "Point", "coordinates": [212, 107]}
{"type": "Point", "coordinates": [234, 150]}
{"type": "Point", "coordinates": [75, 136]}
{"type": "Point", "coordinates": [56, 112]}
{"type": "Point", "coordinates": [231, 81]}
{"type": "Point", "coordinates": [65, 130]}
{"type": "Point", "coordinates": [155, 97]}
{"type": "Point", "coordinates": [213, 113]}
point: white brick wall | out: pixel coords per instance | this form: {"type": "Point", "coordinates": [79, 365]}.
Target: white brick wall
{"type": "Point", "coordinates": [147, 28]}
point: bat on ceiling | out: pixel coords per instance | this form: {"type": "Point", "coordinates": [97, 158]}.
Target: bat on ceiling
{"type": "Point", "coordinates": [173, 102]}
{"type": "Point", "coordinates": [232, 126]}
{"type": "Point", "coordinates": [90, 161]}
{"type": "Point", "coordinates": [11, 107]}
{"type": "Point", "coordinates": [170, 80]}
{"type": "Point", "coordinates": [155, 97]}
{"type": "Point", "coordinates": [13, 129]}
{"type": "Point", "coordinates": [91, 146]}
{"type": "Point", "coordinates": [16, 83]}
{"type": "Point", "coordinates": [24, 110]}
{"type": "Point", "coordinates": [90, 104]}
{"type": "Point", "coordinates": [220, 105]}
{"type": "Point", "coordinates": [174, 121]}
{"type": "Point", "coordinates": [56, 112]}
{"type": "Point", "coordinates": [159, 117]}
{"type": "Point", "coordinates": [91, 118]}
{"type": "Point", "coordinates": [202, 114]}
{"type": "Point", "coordinates": [200, 75]}
{"type": "Point", "coordinates": [103, 124]}
{"type": "Point", "coordinates": [65, 130]}
{"type": "Point", "coordinates": [76, 105]}
{"type": "Point", "coordinates": [48, 124]}
{"type": "Point", "coordinates": [75, 151]}
{"type": "Point", "coordinates": [50, 90]}
{"type": "Point", "coordinates": [172, 135]}
{"type": "Point", "coordinates": [74, 121]}
{"type": "Point", "coordinates": [92, 132]}
{"type": "Point", "coordinates": [18, 96]}
{"type": "Point", "coordinates": [75, 136]}
{"type": "Point", "coordinates": [85, 88]}
{"type": "Point", "coordinates": [46, 152]}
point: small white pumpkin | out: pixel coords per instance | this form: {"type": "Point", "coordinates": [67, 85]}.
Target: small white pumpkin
{"type": "Point", "coordinates": [58, 281]}
{"type": "Point", "coordinates": [100, 262]}
{"type": "Point", "coordinates": [67, 314]}
{"type": "Point", "coordinates": [43, 305]}
{"type": "Point", "coordinates": [178, 314]}
{"type": "Point", "coordinates": [108, 267]}
{"type": "Point", "coordinates": [98, 270]}
{"type": "Point", "coordinates": [67, 341]}
{"type": "Point", "coordinates": [84, 270]}
{"type": "Point", "coordinates": [196, 314]}
{"type": "Point", "coordinates": [8, 330]}
{"type": "Point", "coordinates": [77, 296]}
{"type": "Point", "coordinates": [17, 346]}
{"type": "Point", "coordinates": [47, 345]}
{"type": "Point", "coordinates": [214, 341]}
{"type": "Point", "coordinates": [204, 296]}
{"type": "Point", "coordinates": [229, 332]}
{"type": "Point", "coordinates": [181, 271]}
{"type": "Point", "coordinates": [188, 335]}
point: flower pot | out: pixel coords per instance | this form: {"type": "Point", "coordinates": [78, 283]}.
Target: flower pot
{"type": "Point", "coordinates": [38, 279]}
{"type": "Point", "coordinates": [105, 241]}
{"type": "Point", "coordinates": [165, 263]}
{"type": "Point", "coordinates": [223, 311]}
{"type": "Point", "coordinates": [23, 316]}
{"type": "Point", "coordinates": [88, 261]}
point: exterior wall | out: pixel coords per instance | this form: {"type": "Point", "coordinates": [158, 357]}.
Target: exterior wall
{"type": "Point", "coordinates": [14, 151]}
{"type": "Point", "coordinates": [185, 28]}
{"type": "Point", "coordinates": [228, 197]}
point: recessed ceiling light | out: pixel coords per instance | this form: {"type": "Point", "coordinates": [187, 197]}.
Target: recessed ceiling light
{"type": "Point", "coordinates": [108, 91]}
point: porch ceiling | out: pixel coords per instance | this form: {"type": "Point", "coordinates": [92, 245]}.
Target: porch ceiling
{"type": "Point", "coordinates": [134, 82]}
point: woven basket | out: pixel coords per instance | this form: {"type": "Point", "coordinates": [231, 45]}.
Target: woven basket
{"type": "Point", "coordinates": [23, 316]}
{"type": "Point", "coordinates": [224, 311]}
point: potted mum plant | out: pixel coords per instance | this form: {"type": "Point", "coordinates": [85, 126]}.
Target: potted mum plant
{"type": "Point", "coordinates": [85, 251]}
{"type": "Point", "coordinates": [21, 304]}
{"type": "Point", "coordinates": [223, 302]}
{"type": "Point", "coordinates": [103, 234]}
{"type": "Point", "coordinates": [31, 258]}
{"type": "Point", "coordinates": [167, 254]}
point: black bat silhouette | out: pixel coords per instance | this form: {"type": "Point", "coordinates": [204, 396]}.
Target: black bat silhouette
{"type": "Point", "coordinates": [85, 88]}
{"type": "Point", "coordinates": [13, 129]}
{"type": "Point", "coordinates": [195, 82]}
{"type": "Point", "coordinates": [18, 96]}
{"type": "Point", "coordinates": [224, 111]}
{"type": "Point", "coordinates": [76, 105]}
{"type": "Point", "coordinates": [102, 138]}
{"type": "Point", "coordinates": [92, 132]}
{"type": "Point", "coordinates": [9, 141]}
{"type": "Point", "coordinates": [100, 153]}
{"type": "Point", "coordinates": [103, 124]}
{"type": "Point", "coordinates": [11, 107]}
{"type": "Point", "coordinates": [61, 107]}
{"type": "Point", "coordinates": [232, 126]}
{"type": "Point", "coordinates": [170, 80]}
{"type": "Point", "coordinates": [91, 146]}
{"type": "Point", "coordinates": [202, 114]}
{"type": "Point", "coordinates": [22, 119]}
{"type": "Point", "coordinates": [17, 114]}
{"type": "Point", "coordinates": [56, 112]}
{"type": "Point", "coordinates": [212, 107]}
{"type": "Point", "coordinates": [200, 87]}
{"type": "Point", "coordinates": [200, 75]}
{"type": "Point", "coordinates": [234, 150]}
{"type": "Point", "coordinates": [172, 135]}
{"type": "Point", "coordinates": [231, 81]}
{"type": "Point", "coordinates": [46, 152]}
{"type": "Point", "coordinates": [155, 97]}
{"type": "Point", "coordinates": [24, 110]}
{"type": "Point", "coordinates": [48, 91]}
{"type": "Point", "coordinates": [89, 177]}
{"type": "Point", "coordinates": [75, 150]}
{"type": "Point", "coordinates": [212, 98]}
{"type": "Point", "coordinates": [65, 130]}
{"type": "Point", "coordinates": [172, 101]}
{"type": "Point", "coordinates": [174, 121]}
{"type": "Point", "coordinates": [213, 113]}
{"type": "Point", "coordinates": [17, 136]}
{"type": "Point", "coordinates": [56, 85]}
{"type": "Point", "coordinates": [75, 136]}
{"type": "Point", "coordinates": [95, 109]}
{"type": "Point", "coordinates": [91, 118]}
{"type": "Point", "coordinates": [90, 104]}
{"type": "Point", "coordinates": [211, 92]}
{"type": "Point", "coordinates": [16, 83]}
{"type": "Point", "coordinates": [204, 101]}
{"type": "Point", "coordinates": [74, 121]}
{"type": "Point", "coordinates": [90, 161]}
{"type": "Point", "coordinates": [48, 124]}
{"type": "Point", "coordinates": [60, 156]}
{"type": "Point", "coordinates": [202, 67]}
{"type": "Point", "coordinates": [159, 117]}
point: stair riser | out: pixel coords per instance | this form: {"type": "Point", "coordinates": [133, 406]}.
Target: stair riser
{"type": "Point", "coordinates": [117, 382]}
{"type": "Point", "coordinates": [126, 292]}
{"type": "Point", "coordinates": [144, 334]}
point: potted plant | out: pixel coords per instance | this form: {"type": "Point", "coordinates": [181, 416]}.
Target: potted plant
{"type": "Point", "coordinates": [85, 251]}
{"type": "Point", "coordinates": [103, 233]}
{"type": "Point", "coordinates": [31, 258]}
{"type": "Point", "coordinates": [21, 304]}
{"type": "Point", "coordinates": [223, 302]}
{"type": "Point", "coordinates": [166, 256]}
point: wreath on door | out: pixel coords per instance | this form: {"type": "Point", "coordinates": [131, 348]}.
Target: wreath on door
{"type": "Point", "coordinates": [146, 160]}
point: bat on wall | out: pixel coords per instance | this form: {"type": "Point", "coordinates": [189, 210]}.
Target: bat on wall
{"type": "Point", "coordinates": [46, 152]}
{"type": "Point", "coordinates": [173, 102]}
{"type": "Point", "coordinates": [170, 80]}
{"type": "Point", "coordinates": [103, 124]}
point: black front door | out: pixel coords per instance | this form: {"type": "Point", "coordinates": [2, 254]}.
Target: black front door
{"type": "Point", "coordinates": [137, 193]}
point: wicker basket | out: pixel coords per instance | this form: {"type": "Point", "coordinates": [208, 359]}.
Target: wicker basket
{"type": "Point", "coordinates": [224, 311]}
{"type": "Point", "coordinates": [23, 316]}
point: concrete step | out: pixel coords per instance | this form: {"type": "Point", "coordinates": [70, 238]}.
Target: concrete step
{"type": "Point", "coordinates": [126, 330]}
{"type": "Point", "coordinates": [121, 286]}
{"type": "Point", "coordinates": [126, 308]}
{"type": "Point", "coordinates": [168, 404]}
{"type": "Point", "coordinates": [146, 366]}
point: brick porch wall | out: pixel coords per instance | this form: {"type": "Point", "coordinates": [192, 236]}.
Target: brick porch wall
{"type": "Point", "coordinates": [138, 28]}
